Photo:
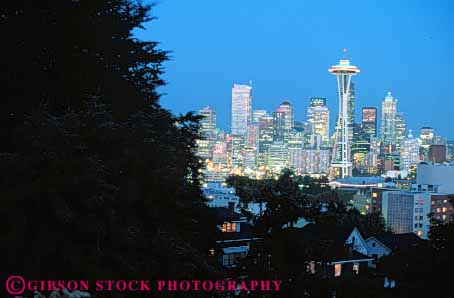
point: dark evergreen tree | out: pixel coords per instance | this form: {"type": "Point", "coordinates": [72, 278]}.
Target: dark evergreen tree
{"type": "Point", "coordinates": [98, 179]}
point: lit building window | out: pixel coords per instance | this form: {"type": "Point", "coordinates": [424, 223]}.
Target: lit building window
{"type": "Point", "coordinates": [229, 227]}
{"type": "Point", "coordinates": [356, 268]}
{"type": "Point", "coordinates": [419, 233]}
{"type": "Point", "coordinates": [445, 209]}
{"type": "Point", "coordinates": [337, 270]}
{"type": "Point", "coordinates": [311, 267]}
{"type": "Point", "coordinates": [211, 253]}
{"type": "Point", "coordinates": [438, 209]}
{"type": "Point", "coordinates": [374, 195]}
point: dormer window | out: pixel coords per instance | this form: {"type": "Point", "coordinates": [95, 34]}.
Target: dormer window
{"type": "Point", "coordinates": [229, 227]}
{"type": "Point", "coordinates": [337, 270]}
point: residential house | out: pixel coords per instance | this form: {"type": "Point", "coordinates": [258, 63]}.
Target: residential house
{"type": "Point", "coordinates": [383, 245]}
{"type": "Point", "coordinates": [337, 251]}
{"type": "Point", "coordinates": [235, 237]}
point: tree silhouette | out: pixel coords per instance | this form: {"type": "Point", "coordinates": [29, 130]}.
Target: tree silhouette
{"type": "Point", "coordinates": [99, 180]}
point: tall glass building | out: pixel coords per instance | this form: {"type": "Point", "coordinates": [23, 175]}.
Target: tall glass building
{"type": "Point", "coordinates": [208, 122]}
{"type": "Point", "coordinates": [369, 121]}
{"type": "Point", "coordinates": [318, 117]}
{"type": "Point", "coordinates": [241, 108]}
{"type": "Point", "coordinates": [401, 127]}
{"type": "Point", "coordinates": [426, 137]}
{"type": "Point", "coordinates": [388, 120]}
{"type": "Point", "coordinates": [289, 119]}
{"type": "Point", "coordinates": [409, 152]}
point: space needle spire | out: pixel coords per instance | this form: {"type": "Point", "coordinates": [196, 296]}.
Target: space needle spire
{"type": "Point", "coordinates": [341, 165]}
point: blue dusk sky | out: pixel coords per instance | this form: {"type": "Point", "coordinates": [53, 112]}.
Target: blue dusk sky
{"type": "Point", "coordinates": [286, 47]}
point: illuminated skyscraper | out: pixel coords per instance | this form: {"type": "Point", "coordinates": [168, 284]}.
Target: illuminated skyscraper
{"type": "Point", "coordinates": [409, 152]}
{"type": "Point", "coordinates": [266, 132]}
{"type": "Point", "coordinates": [388, 120]}
{"type": "Point", "coordinates": [426, 138]}
{"type": "Point", "coordinates": [283, 121]}
{"type": "Point", "coordinates": [401, 127]}
{"type": "Point", "coordinates": [278, 125]}
{"type": "Point", "coordinates": [318, 116]}
{"type": "Point", "coordinates": [208, 122]}
{"type": "Point", "coordinates": [341, 165]}
{"type": "Point", "coordinates": [252, 138]}
{"type": "Point", "coordinates": [351, 102]}
{"type": "Point", "coordinates": [369, 121]}
{"type": "Point", "coordinates": [207, 132]}
{"type": "Point", "coordinates": [241, 108]}
{"type": "Point", "coordinates": [237, 145]}
{"type": "Point", "coordinates": [360, 146]}
{"type": "Point", "coordinates": [287, 108]}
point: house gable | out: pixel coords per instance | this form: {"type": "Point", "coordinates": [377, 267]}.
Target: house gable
{"type": "Point", "coordinates": [377, 248]}
{"type": "Point", "coordinates": [359, 244]}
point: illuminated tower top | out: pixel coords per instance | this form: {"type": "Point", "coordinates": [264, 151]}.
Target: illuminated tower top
{"type": "Point", "coordinates": [344, 67]}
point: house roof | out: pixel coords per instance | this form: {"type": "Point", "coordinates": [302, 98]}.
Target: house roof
{"type": "Point", "coordinates": [320, 232]}
{"type": "Point", "coordinates": [346, 257]}
{"type": "Point", "coordinates": [224, 214]}
{"type": "Point", "coordinates": [399, 241]}
{"type": "Point", "coordinates": [327, 242]}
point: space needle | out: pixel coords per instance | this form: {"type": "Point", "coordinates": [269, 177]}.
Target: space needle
{"type": "Point", "coordinates": [341, 165]}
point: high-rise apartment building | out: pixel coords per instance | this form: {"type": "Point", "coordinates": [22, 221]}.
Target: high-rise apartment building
{"type": "Point", "coordinates": [309, 161]}
{"type": "Point", "coordinates": [407, 212]}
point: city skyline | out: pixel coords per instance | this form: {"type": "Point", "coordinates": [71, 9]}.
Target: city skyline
{"type": "Point", "coordinates": [287, 68]}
